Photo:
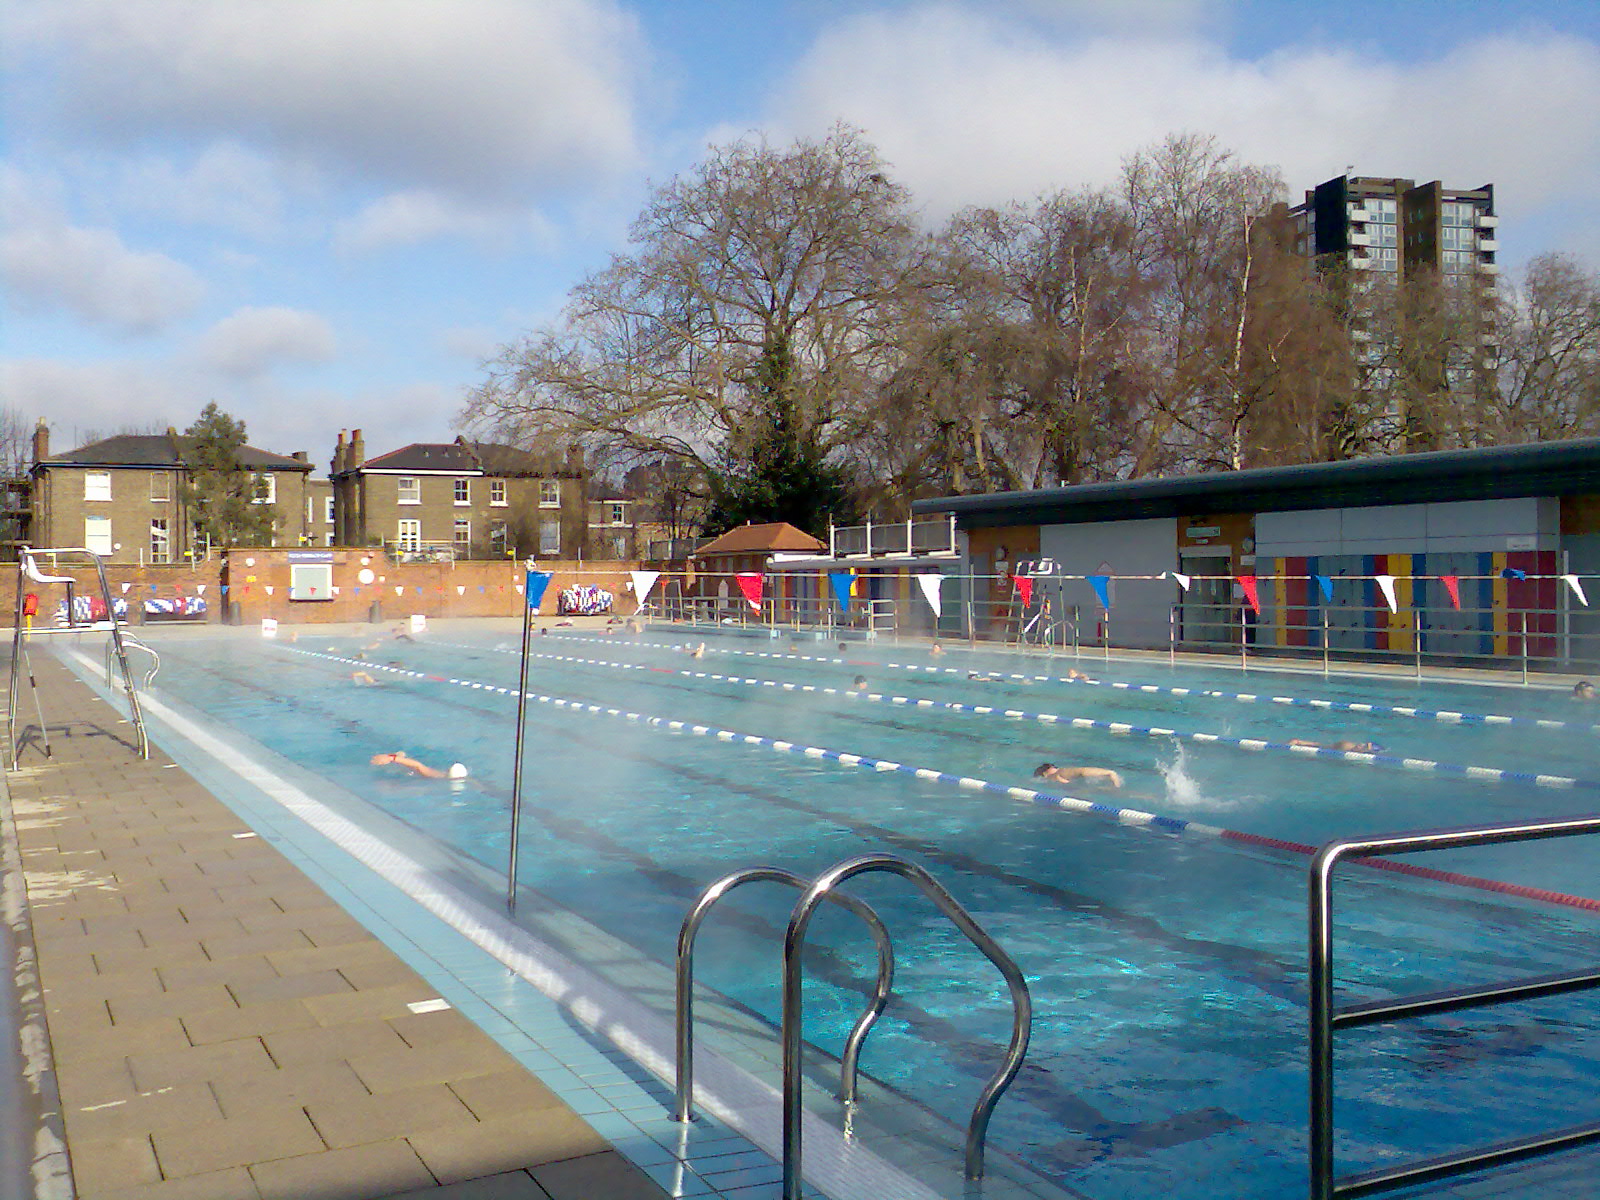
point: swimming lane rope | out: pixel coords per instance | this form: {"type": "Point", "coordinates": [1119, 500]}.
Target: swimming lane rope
{"type": "Point", "coordinates": [1259, 745]}
{"type": "Point", "coordinates": [1054, 800]}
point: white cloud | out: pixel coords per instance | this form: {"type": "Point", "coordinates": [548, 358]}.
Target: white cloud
{"type": "Point", "coordinates": [253, 341]}
{"type": "Point", "coordinates": [406, 218]}
{"type": "Point", "coordinates": [49, 266]}
{"type": "Point", "coordinates": [226, 185]}
{"type": "Point", "coordinates": [971, 108]}
{"type": "Point", "coordinates": [487, 96]}
{"type": "Point", "coordinates": [103, 397]}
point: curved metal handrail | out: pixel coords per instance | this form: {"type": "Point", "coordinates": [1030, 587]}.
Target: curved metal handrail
{"type": "Point", "coordinates": [794, 942]}
{"type": "Point", "coordinates": [130, 642]}
{"type": "Point", "coordinates": [685, 1013]}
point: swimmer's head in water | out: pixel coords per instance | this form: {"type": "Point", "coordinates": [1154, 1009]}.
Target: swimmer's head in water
{"type": "Point", "coordinates": [1043, 769]}
{"type": "Point", "coordinates": [1583, 690]}
{"type": "Point", "coordinates": [457, 771]}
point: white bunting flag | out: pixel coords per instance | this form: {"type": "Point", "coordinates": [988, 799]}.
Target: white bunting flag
{"type": "Point", "coordinates": [1386, 586]}
{"type": "Point", "coordinates": [398, 590]}
{"type": "Point", "coordinates": [1577, 589]}
{"type": "Point", "coordinates": [1183, 580]}
{"type": "Point", "coordinates": [200, 589]}
{"type": "Point", "coordinates": [643, 581]}
{"type": "Point", "coordinates": [930, 583]}
{"type": "Point", "coordinates": [125, 588]}
{"type": "Point", "coordinates": [461, 589]}
{"type": "Point", "coordinates": [335, 591]}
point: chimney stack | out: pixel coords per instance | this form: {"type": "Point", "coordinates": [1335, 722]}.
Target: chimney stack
{"type": "Point", "coordinates": [358, 449]}
{"type": "Point", "coordinates": [338, 455]}
{"type": "Point", "coordinates": [41, 441]}
{"type": "Point", "coordinates": [301, 456]}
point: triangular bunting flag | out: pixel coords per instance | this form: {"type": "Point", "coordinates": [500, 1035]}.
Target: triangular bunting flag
{"type": "Point", "coordinates": [224, 589]}
{"type": "Point", "coordinates": [537, 581]}
{"type": "Point", "coordinates": [1386, 586]}
{"type": "Point", "coordinates": [398, 590]}
{"type": "Point", "coordinates": [1183, 580]}
{"type": "Point", "coordinates": [842, 582]}
{"type": "Point", "coordinates": [152, 587]}
{"type": "Point", "coordinates": [482, 589]}
{"type": "Point", "coordinates": [750, 583]}
{"type": "Point", "coordinates": [1325, 586]}
{"type": "Point", "coordinates": [1513, 573]}
{"type": "Point", "coordinates": [200, 589]}
{"type": "Point", "coordinates": [643, 581]}
{"type": "Point", "coordinates": [1249, 585]}
{"type": "Point", "coordinates": [1452, 587]}
{"type": "Point", "coordinates": [1024, 589]}
{"type": "Point", "coordinates": [461, 589]}
{"type": "Point", "coordinates": [1102, 588]}
{"type": "Point", "coordinates": [269, 589]}
{"type": "Point", "coordinates": [336, 591]}
{"type": "Point", "coordinates": [1577, 589]}
{"type": "Point", "coordinates": [125, 588]}
{"type": "Point", "coordinates": [930, 582]}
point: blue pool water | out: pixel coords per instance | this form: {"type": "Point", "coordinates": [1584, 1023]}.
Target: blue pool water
{"type": "Point", "coordinates": [1168, 971]}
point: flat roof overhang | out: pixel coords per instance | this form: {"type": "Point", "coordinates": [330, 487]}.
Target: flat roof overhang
{"type": "Point", "coordinates": [1499, 473]}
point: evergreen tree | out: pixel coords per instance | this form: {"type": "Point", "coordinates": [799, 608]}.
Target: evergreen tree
{"type": "Point", "coordinates": [220, 492]}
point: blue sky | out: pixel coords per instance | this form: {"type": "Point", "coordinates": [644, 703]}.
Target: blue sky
{"type": "Point", "coordinates": [324, 213]}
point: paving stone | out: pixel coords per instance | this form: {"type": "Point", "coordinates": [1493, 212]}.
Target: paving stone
{"type": "Point", "coordinates": [93, 1081]}
{"type": "Point", "coordinates": [391, 1115]}
{"type": "Point", "coordinates": [385, 1002]}
{"type": "Point", "coordinates": [232, 1184]}
{"type": "Point", "coordinates": [264, 1135]}
{"type": "Point", "coordinates": [240, 944]}
{"type": "Point", "coordinates": [288, 1086]}
{"type": "Point", "coordinates": [429, 1064]}
{"type": "Point", "coordinates": [236, 974]}
{"type": "Point", "coordinates": [342, 958]}
{"type": "Point", "coordinates": [223, 1024]}
{"type": "Point", "coordinates": [511, 1185]}
{"type": "Point", "coordinates": [377, 973]}
{"type": "Point", "coordinates": [607, 1174]}
{"type": "Point", "coordinates": [430, 1028]}
{"type": "Point", "coordinates": [105, 1164]}
{"type": "Point", "coordinates": [290, 987]}
{"type": "Point", "coordinates": [199, 1063]}
{"type": "Point", "coordinates": [348, 1042]}
{"type": "Point", "coordinates": [353, 1173]}
{"type": "Point", "coordinates": [169, 1108]}
{"type": "Point", "coordinates": [178, 1002]}
{"type": "Point", "coordinates": [86, 1043]}
{"type": "Point", "coordinates": [505, 1143]}
{"type": "Point", "coordinates": [504, 1091]}
{"type": "Point", "coordinates": [178, 927]}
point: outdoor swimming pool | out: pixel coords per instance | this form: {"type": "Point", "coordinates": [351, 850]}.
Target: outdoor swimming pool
{"type": "Point", "coordinates": [1167, 962]}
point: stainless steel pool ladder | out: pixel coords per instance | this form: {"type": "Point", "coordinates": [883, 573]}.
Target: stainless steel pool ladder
{"type": "Point", "coordinates": [132, 643]}
{"type": "Point", "coordinates": [1325, 1018]}
{"type": "Point", "coordinates": [29, 568]}
{"type": "Point", "coordinates": [823, 887]}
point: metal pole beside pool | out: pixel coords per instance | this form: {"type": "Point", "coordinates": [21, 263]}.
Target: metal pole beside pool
{"type": "Point", "coordinates": [532, 593]}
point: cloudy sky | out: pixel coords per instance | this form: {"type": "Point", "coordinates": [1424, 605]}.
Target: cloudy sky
{"type": "Point", "coordinates": [326, 213]}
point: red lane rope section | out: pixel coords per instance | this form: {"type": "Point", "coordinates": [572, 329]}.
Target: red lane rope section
{"type": "Point", "coordinates": [1431, 873]}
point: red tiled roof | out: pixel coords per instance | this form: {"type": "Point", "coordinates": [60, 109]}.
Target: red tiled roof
{"type": "Point", "coordinates": [775, 537]}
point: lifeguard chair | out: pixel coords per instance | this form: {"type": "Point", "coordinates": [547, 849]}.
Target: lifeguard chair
{"type": "Point", "coordinates": [79, 615]}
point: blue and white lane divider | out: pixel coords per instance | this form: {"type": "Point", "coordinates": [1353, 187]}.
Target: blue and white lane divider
{"type": "Point", "coordinates": [1122, 729]}
{"type": "Point", "coordinates": [1382, 710]}
{"type": "Point", "coordinates": [1054, 800]}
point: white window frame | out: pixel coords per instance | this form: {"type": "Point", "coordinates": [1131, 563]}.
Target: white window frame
{"type": "Point", "coordinates": [499, 537]}
{"type": "Point", "coordinates": [327, 538]}
{"type": "Point", "coordinates": [97, 485]}
{"type": "Point", "coordinates": [618, 510]}
{"type": "Point", "coordinates": [461, 532]}
{"type": "Point", "coordinates": [100, 539]}
{"type": "Point", "coordinates": [327, 512]}
{"type": "Point", "coordinates": [411, 484]}
{"type": "Point", "coordinates": [160, 540]}
{"type": "Point", "coordinates": [497, 493]}
{"type": "Point", "coordinates": [462, 492]}
{"type": "Point", "coordinates": [408, 534]}
{"type": "Point", "coordinates": [266, 488]}
{"type": "Point", "coordinates": [160, 487]}
{"type": "Point", "coordinates": [550, 544]}
{"type": "Point", "coordinates": [549, 493]}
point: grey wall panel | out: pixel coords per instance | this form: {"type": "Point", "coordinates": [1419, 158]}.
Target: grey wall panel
{"type": "Point", "coordinates": [1139, 608]}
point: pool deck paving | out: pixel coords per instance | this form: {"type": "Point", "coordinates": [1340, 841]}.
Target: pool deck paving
{"type": "Point", "coordinates": [221, 1029]}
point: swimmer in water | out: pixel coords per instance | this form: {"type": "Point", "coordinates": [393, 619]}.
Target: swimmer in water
{"type": "Point", "coordinates": [1073, 774]}
{"type": "Point", "coordinates": [936, 650]}
{"type": "Point", "coordinates": [699, 651]}
{"type": "Point", "coordinates": [858, 684]}
{"type": "Point", "coordinates": [1074, 674]}
{"type": "Point", "coordinates": [1357, 747]}
{"type": "Point", "coordinates": [1583, 690]}
{"type": "Point", "coordinates": [400, 758]}
{"type": "Point", "coordinates": [363, 679]}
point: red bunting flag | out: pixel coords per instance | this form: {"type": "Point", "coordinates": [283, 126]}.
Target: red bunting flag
{"type": "Point", "coordinates": [750, 585]}
{"type": "Point", "coordinates": [1452, 585]}
{"type": "Point", "coordinates": [1024, 589]}
{"type": "Point", "coordinates": [1247, 585]}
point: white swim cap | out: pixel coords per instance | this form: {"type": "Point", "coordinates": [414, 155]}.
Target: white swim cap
{"type": "Point", "coordinates": [458, 771]}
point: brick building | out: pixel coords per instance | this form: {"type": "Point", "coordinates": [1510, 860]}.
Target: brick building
{"type": "Point", "coordinates": [460, 499]}
{"type": "Point", "coordinates": [122, 497]}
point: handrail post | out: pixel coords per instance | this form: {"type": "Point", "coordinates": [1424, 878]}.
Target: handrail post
{"type": "Point", "coordinates": [516, 754]}
{"type": "Point", "coordinates": [1524, 647]}
{"type": "Point", "coordinates": [1320, 984]}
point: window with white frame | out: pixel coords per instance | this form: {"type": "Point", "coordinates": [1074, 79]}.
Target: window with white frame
{"type": "Point", "coordinates": [499, 539]}
{"type": "Point", "coordinates": [266, 489]}
{"type": "Point", "coordinates": [160, 541]}
{"type": "Point", "coordinates": [160, 486]}
{"type": "Point", "coordinates": [410, 490]}
{"type": "Point", "coordinates": [327, 509]}
{"type": "Point", "coordinates": [462, 535]}
{"type": "Point", "coordinates": [550, 535]}
{"type": "Point", "coordinates": [463, 491]}
{"type": "Point", "coordinates": [497, 492]}
{"type": "Point", "coordinates": [97, 534]}
{"type": "Point", "coordinates": [549, 493]}
{"type": "Point", "coordinates": [97, 485]}
{"type": "Point", "coordinates": [327, 538]}
{"type": "Point", "coordinates": [408, 536]}
{"type": "Point", "coordinates": [617, 512]}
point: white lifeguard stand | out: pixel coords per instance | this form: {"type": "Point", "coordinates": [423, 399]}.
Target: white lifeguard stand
{"type": "Point", "coordinates": [42, 565]}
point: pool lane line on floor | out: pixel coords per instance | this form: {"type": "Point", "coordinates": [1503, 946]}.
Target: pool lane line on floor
{"type": "Point", "coordinates": [1120, 728]}
{"type": "Point", "coordinates": [733, 1095]}
{"type": "Point", "coordinates": [1382, 710]}
{"type": "Point", "coordinates": [1055, 800]}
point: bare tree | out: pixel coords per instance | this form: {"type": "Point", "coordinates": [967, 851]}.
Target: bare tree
{"type": "Point", "coordinates": [758, 259]}
{"type": "Point", "coordinates": [1548, 338]}
{"type": "Point", "coordinates": [16, 443]}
